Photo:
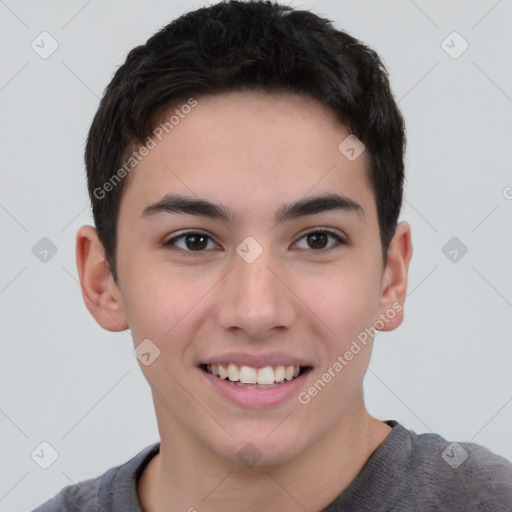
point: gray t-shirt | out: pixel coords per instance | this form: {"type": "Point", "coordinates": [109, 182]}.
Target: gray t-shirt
{"type": "Point", "coordinates": [408, 472]}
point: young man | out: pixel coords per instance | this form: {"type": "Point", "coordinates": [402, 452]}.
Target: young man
{"type": "Point", "coordinates": [245, 169]}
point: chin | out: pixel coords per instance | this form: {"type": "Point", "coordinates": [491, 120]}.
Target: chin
{"type": "Point", "coordinates": [261, 450]}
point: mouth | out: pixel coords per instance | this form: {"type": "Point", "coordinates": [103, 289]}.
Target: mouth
{"type": "Point", "coordinates": [267, 377]}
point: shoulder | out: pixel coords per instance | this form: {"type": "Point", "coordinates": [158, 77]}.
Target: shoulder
{"type": "Point", "coordinates": [81, 497]}
{"type": "Point", "coordinates": [114, 490]}
{"type": "Point", "coordinates": [457, 474]}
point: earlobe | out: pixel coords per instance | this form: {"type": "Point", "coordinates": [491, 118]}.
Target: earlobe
{"type": "Point", "coordinates": [394, 283]}
{"type": "Point", "coordinates": [100, 293]}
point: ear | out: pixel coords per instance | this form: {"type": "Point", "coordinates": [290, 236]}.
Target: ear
{"type": "Point", "coordinates": [394, 279]}
{"type": "Point", "coordinates": [101, 295]}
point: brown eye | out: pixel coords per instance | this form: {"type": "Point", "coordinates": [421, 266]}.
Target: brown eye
{"type": "Point", "coordinates": [319, 240]}
{"type": "Point", "coordinates": [196, 242]}
{"type": "Point", "coordinates": [191, 242]}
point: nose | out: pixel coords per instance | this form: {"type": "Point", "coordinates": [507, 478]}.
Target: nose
{"type": "Point", "coordinates": [256, 299]}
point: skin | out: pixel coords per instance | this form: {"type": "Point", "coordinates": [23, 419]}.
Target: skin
{"type": "Point", "coordinates": [252, 152]}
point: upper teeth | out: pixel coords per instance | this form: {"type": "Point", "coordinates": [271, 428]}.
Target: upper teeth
{"type": "Point", "coordinates": [250, 375]}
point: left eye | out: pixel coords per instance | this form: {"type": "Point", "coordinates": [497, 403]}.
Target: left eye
{"type": "Point", "coordinates": [318, 240]}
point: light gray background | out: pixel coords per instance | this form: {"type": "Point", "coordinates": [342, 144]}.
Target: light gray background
{"type": "Point", "coordinates": [446, 369]}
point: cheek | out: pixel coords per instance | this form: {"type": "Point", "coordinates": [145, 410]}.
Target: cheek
{"type": "Point", "coordinates": [152, 307]}
{"type": "Point", "coordinates": [347, 304]}
{"type": "Point", "coordinates": [163, 308]}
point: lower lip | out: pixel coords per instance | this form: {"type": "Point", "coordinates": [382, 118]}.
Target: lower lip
{"type": "Point", "coordinates": [256, 398]}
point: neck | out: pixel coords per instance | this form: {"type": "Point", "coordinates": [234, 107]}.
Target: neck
{"type": "Point", "coordinates": [186, 476]}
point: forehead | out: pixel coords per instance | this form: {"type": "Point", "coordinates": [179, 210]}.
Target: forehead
{"type": "Point", "coordinates": [248, 149]}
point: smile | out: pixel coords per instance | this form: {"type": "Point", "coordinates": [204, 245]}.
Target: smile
{"type": "Point", "coordinates": [257, 378]}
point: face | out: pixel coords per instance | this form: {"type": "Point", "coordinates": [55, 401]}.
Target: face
{"type": "Point", "coordinates": [248, 280]}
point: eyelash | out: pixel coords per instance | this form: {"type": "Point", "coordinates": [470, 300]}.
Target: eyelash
{"type": "Point", "coordinates": [170, 243]}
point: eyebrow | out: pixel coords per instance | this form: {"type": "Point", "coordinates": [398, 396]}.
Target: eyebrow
{"type": "Point", "coordinates": [177, 204]}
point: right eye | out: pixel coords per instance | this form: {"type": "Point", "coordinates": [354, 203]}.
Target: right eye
{"type": "Point", "coordinates": [190, 242]}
